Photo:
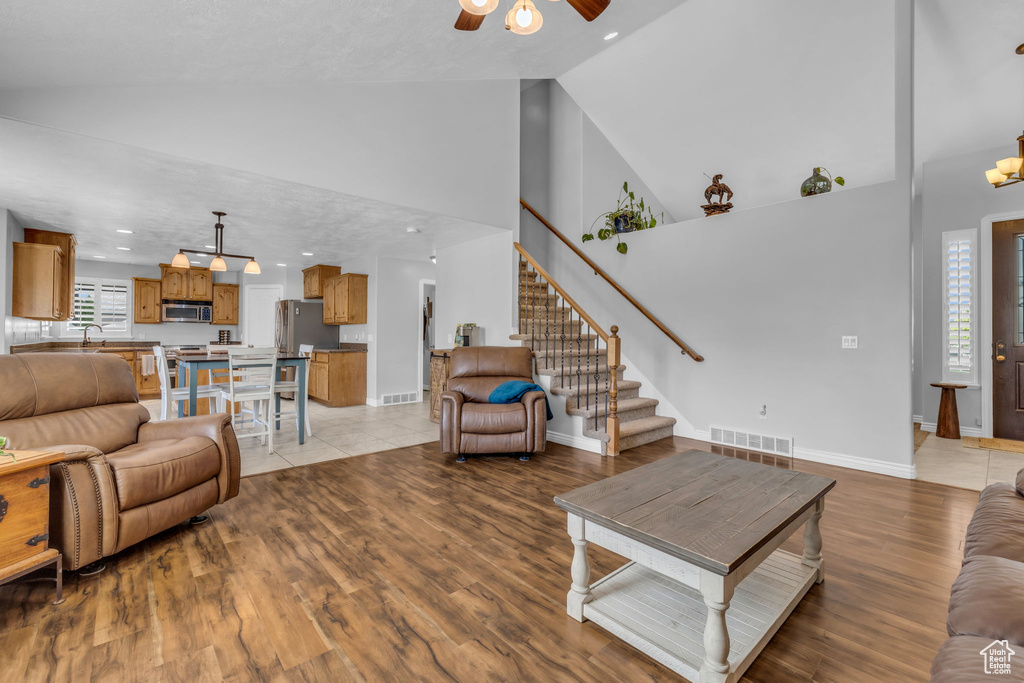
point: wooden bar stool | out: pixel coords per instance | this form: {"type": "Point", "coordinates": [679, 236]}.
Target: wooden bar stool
{"type": "Point", "coordinates": [948, 425]}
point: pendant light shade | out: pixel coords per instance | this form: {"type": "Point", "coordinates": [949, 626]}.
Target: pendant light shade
{"type": "Point", "coordinates": [218, 264]}
{"type": "Point", "coordinates": [479, 7]}
{"type": "Point", "coordinates": [1009, 166]}
{"type": "Point", "coordinates": [524, 18]}
{"type": "Point", "coordinates": [994, 176]}
{"type": "Point", "coordinates": [180, 260]}
{"type": "Point", "coordinates": [252, 268]}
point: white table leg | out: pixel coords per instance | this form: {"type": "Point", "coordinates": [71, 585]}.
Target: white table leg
{"type": "Point", "coordinates": [579, 595]}
{"type": "Point", "coordinates": [812, 542]}
{"type": "Point", "coordinates": [717, 593]}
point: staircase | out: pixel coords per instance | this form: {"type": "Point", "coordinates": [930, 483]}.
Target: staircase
{"type": "Point", "coordinates": [573, 350]}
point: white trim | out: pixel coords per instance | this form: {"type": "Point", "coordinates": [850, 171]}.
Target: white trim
{"type": "Point", "coordinates": [985, 313]}
{"type": "Point", "coordinates": [419, 337]}
{"type": "Point", "coordinates": [964, 431]}
{"type": "Point", "coordinates": [374, 402]}
{"type": "Point", "coordinates": [918, 418]}
{"type": "Point", "coordinates": [583, 443]}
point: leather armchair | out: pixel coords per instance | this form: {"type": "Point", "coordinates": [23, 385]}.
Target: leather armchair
{"type": "Point", "coordinates": [123, 478]}
{"type": "Point", "coordinates": [469, 424]}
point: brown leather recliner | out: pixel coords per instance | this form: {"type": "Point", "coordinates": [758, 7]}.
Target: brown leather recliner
{"type": "Point", "coordinates": [124, 478]}
{"type": "Point", "coordinates": [469, 424]}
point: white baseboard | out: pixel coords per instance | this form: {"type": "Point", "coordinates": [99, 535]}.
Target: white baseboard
{"type": "Point", "coordinates": [918, 418]}
{"type": "Point", "coordinates": [852, 462]}
{"type": "Point", "coordinates": [581, 442]}
{"type": "Point", "coordinates": [964, 431]}
{"type": "Point", "coordinates": [375, 402]}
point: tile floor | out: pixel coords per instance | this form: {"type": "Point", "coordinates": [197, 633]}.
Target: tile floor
{"type": "Point", "coordinates": [337, 433]}
{"type": "Point", "coordinates": [947, 461]}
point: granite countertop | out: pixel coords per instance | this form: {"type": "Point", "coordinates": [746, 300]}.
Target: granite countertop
{"type": "Point", "coordinates": [76, 347]}
{"type": "Point", "coordinates": [344, 348]}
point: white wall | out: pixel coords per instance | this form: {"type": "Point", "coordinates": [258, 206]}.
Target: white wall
{"type": "Point", "coordinates": [449, 147]}
{"type": "Point", "coordinates": [15, 330]}
{"type": "Point", "coordinates": [956, 196]}
{"type": "Point", "coordinates": [399, 311]}
{"type": "Point", "coordinates": [475, 284]}
{"type": "Point", "coordinates": [759, 91]}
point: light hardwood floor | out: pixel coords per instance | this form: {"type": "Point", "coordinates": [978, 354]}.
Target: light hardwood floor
{"type": "Point", "coordinates": [403, 565]}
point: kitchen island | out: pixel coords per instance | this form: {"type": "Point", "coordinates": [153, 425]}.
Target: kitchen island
{"type": "Point", "coordinates": [337, 377]}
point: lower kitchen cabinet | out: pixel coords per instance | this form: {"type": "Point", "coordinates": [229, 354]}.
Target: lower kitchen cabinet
{"type": "Point", "coordinates": [338, 378]}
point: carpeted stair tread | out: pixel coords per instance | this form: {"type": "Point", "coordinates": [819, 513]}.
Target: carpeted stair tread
{"type": "Point", "coordinates": [623, 384]}
{"type": "Point", "coordinates": [625, 405]}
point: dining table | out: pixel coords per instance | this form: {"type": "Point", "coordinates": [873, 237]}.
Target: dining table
{"type": "Point", "coordinates": [192, 363]}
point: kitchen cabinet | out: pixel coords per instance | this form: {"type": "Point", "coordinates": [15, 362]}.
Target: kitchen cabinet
{"type": "Point", "coordinates": [147, 301]}
{"type": "Point", "coordinates": [338, 378]}
{"type": "Point", "coordinates": [345, 299]}
{"type": "Point", "coordinates": [67, 243]}
{"type": "Point", "coordinates": [314, 278]}
{"type": "Point", "coordinates": [225, 304]}
{"type": "Point", "coordinates": [186, 284]}
{"type": "Point", "coordinates": [38, 289]}
{"type": "Point", "coordinates": [147, 385]}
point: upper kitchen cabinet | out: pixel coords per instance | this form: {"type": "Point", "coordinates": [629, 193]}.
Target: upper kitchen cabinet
{"type": "Point", "coordinates": [147, 301]}
{"type": "Point", "coordinates": [67, 243]}
{"type": "Point", "coordinates": [345, 299]}
{"type": "Point", "coordinates": [38, 289]}
{"type": "Point", "coordinates": [225, 304]}
{"type": "Point", "coordinates": [186, 284]}
{"type": "Point", "coordinates": [315, 278]}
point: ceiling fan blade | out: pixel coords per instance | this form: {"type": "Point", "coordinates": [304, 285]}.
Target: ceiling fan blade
{"type": "Point", "coordinates": [590, 9]}
{"type": "Point", "coordinates": [469, 22]}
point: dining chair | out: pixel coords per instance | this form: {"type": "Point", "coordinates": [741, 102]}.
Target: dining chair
{"type": "Point", "coordinates": [252, 374]}
{"type": "Point", "coordinates": [168, 395]}
{"type": "Point", "coordinates": [292, 387]}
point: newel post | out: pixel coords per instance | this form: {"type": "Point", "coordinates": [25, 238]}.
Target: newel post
{"type": "Point", "coordinates": [614, 359]}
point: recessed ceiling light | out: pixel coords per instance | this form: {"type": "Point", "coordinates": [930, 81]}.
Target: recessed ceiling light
{"type": "Point", "coordinates": [612, 35]}
{"type": "Point", "coordinates": [124, 249]}
{"type": "Point", "coordinates": [195, 262]}
{"type": "Point", "coordinates": [210, 246]}
{"type": "Point", "coordinates": [283, 265]}
{"type": "Point", "coordinates": [307, 253]}
{"type": "Point", "coordinates": [412, 229]}
{"type": "Point", "coordinates": [125, 232]}
{"type": "Point", "coordinates": [98, 256]}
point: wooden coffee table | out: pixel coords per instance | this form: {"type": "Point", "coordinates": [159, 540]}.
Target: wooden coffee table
{"type": "Point", "coordinates": [708, 586]}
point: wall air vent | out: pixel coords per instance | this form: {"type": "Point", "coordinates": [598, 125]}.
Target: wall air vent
{"type": "Point", "coordinates": [777, 445]}
{"type": "Point", "coordinates": [395, 399]}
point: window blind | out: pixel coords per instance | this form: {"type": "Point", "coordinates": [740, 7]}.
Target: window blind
{"type": "Point", "coordinates": [100, 302]}
{"type": "Point", "coordinates": [960, 361]}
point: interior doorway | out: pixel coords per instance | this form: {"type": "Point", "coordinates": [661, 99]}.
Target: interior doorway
{"type": "Point", "coordinates": [1008, 330]}
{"type": "Point", "coordinates": [259, 314]}
{"type": "Point", "coordinates": [428, 289]}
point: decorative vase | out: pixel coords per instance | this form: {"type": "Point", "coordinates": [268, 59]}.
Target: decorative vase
{"type": "Point", "coordinates": [624, 223]}
{"type": "Point", "coordinates": [816, 184]}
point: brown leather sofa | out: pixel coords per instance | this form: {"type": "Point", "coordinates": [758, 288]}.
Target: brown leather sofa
{"type": "Point", "coordinates": [987, 599]}
{"type": "Point", "coordinates": [469, 424]}
{"type": "Point", "coordinates": [124, 478]}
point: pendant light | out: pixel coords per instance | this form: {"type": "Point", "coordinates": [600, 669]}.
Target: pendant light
{"type": "Point", "coordinates": [1008, 171]}
{"type": "Point", "coordinates": [479, 7]}
{"type": "Point", "coordinates": [252, 268]}
{"type": "Point", "coordinates": [180, 260]}
{"type": "Point", "coordinates": [524, 18]}
{"type": "Point", "coordinates": [218, 264]}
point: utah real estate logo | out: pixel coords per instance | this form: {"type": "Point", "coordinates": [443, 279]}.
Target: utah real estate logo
{"type": "Point", "coordinates": [997, 658]}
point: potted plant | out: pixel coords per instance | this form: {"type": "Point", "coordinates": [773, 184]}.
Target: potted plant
{"type": "Point", "coordinates": [818, 183]}
{"type": "Point", "coordinates": [627, 216]}
{"type": "Point", "coordinates": [3, 445]}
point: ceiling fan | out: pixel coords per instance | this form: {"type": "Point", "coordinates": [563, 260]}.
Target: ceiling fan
{"type": "Point", "coordinates": [523, 18]}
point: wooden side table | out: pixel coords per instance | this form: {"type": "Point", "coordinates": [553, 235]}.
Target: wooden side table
{"type": "Point", "coordinates": [439, 361]}
{"type": "Point", "coordinates": [948, 425]}
{"type": "Point", "coordinates": [25, 515]}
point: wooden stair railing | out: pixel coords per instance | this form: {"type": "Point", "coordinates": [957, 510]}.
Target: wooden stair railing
{"type": "Point", "coordinates": [536, 308]}
{"type": "Point", "coordinates": [616, 286]}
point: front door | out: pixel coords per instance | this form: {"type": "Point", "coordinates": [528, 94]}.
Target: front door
{"type": "Point", "coordinates": [1008, 329]}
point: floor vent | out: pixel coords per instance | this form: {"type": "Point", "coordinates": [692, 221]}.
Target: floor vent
{"type": "Point", "coordinates": [395, 399]}
{"type": "Point", "coordinates": [778, 445]}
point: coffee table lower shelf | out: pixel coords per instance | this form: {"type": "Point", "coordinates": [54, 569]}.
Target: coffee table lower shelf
{"type": "Point", "coordinates": [665, 619]}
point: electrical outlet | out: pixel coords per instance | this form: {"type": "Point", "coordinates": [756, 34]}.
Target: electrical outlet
{"type": "Point", "coordinates": [849, 342]}
{"type": "Point", "coordinates": [344, 337]}
{"type": "Point", "coordinates": [369, 337]}
{"type": "Point", "coordinates": [763, 413]}
{"type": "Point", "coordinates": [451, 338]}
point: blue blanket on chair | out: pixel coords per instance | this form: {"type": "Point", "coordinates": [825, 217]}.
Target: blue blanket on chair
{"type": "Point", "coordinates": [510, 392]}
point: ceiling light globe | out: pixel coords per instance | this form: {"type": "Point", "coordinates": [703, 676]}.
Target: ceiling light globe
{"type": "Point", "coordinates": [524, 18]}
{"type": "Point", "coordinates": [994, 176]}
{"type": "Point", "coordinates": [479, 7]}
{"type": "Point", "coordinates": [180, 261]}
{"type": "Point", "coordinates": [1009, 166]}
{"type": "Point", "coordinates": [252, 268]}
{"type": "Point", "coordinates": [218, 264]}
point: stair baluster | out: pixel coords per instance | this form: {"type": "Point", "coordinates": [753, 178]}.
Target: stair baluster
{"type": "Point", "coordinates": [587, 376]}
{"type": "Point", "coordinates": [612, 423]}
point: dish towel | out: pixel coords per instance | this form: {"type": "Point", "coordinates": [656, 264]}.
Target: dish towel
{"type": "Point", "coordinates": [510, 392]}
{"type": "Point", "coordinates": [148, 365]}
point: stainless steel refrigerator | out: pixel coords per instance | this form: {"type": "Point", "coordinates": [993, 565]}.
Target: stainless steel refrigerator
{"type": "Point", "coordinates": [302, 322]}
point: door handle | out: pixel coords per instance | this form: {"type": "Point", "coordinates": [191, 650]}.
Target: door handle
{"type": "Point", "coordinates": [1000, 351]}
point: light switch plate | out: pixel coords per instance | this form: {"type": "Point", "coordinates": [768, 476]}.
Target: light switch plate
{"type": "Point", "coordinates": [369, 337]}
{"type": "Point", "coordinates": [849, 342]}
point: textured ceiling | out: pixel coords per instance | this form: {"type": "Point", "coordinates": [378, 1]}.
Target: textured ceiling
{"type": "Point", "coordinates": [127, 42]}
{"type": "Point", "coordinates": [55, 180]}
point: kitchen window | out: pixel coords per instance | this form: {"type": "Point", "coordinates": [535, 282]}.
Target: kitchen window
{"type": "Point", "coordinates": [101, 302]}
{"type": "Point", "coordinates": [959, 271]}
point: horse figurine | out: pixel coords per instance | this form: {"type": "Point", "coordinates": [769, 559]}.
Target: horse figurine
{"type": "Point", "coordinates": [724, 194]}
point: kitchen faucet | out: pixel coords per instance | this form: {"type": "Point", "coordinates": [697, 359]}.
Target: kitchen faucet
{"type": "Point", "coordinates": [85, 333]}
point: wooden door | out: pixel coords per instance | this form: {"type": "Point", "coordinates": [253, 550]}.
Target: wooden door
{"type": "Point", "coordinates": [174, 282]}
{"type": "Point", "coordinates": [341, 300]}
{"type": "Point", "coordinates": [311, 283]}
{"type": "Point", "coordinates": [225, 304]}
{"type": "Point", "coordinates": [147, 301]}
{"type": "Point", "coordinates": [1008, 329]}
{"type": "Point", "coordinates": [200, 284]}
{"type": "Point", "coordinates": [330, 314]}
{"type": "Point", "coordinates": [318, 374]}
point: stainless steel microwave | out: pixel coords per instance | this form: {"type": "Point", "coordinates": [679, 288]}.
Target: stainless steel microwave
{"type": "Point", "coordinates": [187, 313]}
